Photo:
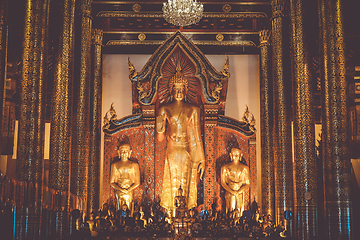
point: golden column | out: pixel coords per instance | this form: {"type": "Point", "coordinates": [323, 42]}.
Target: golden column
{"type": "Point", "coordinates": [3, 54]}
{"type": "Point", "coordinates": [32, 93]}
{"type": "Point", "coordinates": [95, 135]}
{"type": "Point", "coordinates": [29, 163]}
{"type": "Point", "coordinates": [61, 114]}
{"type": "Point", "coordinates": [283, 167]}
{"type": "Point", "coordinates": [267, 160]}
{"type": "Point", "coordinates": [81, 126]}
{"type": "Point", "coordinates": [335, 138]}
{"type": "Point", "coordinates": [60, 137]}
{"type": "Point", "coordinates": [305, 177]}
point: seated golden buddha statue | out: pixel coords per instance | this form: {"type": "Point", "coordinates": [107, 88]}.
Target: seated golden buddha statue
{"type": "Point", "coordinates": [124, 178]}
{"type": "Point", "coordinates": [235, 180]}
{"type": "Point", "coordinates": [179, 121]}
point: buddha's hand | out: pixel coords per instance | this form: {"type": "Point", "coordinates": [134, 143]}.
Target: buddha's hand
{"type": "Point", "coordinates": [160, 123]}
{"type": "Point", "coordinates": [124, 190]}
{"type": "Point", "coordinates": [201, 168]}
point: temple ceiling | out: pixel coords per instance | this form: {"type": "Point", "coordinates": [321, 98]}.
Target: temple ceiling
{"type": "Point", "coordinates": [230, 26]}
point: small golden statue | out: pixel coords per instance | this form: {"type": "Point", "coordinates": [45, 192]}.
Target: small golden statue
{"type": "Point", "coordinates": [124, 178]}
{"type": "Point", "coordinates": [181, 222]}
{"type": "Point", "coordinates": [180, 122]}
{"type": "Point", "coordinates": [235, 180]}
{"type": "Point", "coordinates": [180, 204]}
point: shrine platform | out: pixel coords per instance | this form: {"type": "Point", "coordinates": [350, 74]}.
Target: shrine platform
{"type": "Point", "coordinates": [193, 238]}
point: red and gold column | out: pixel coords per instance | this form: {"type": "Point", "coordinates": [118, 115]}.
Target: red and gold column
{"type": "Point", "coordinates": [335, 133]}
{"type": "Point", "coordinates": [305, 177]}
{"type": "Point", "coordinates": [81, 125]}
{"type": "Point", "coordinates": [266, 112]}
{"type": "Point", "coordinates": [95, 134]}
{"type": "Point", "coordinates": [283, 167]}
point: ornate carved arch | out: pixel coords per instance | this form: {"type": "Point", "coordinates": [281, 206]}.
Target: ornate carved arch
{"type": "Point", "coordinates": [150, 80]}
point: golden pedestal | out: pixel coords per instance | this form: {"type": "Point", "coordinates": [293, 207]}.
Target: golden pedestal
{"type": "Point", "coordinates": [182, 228]}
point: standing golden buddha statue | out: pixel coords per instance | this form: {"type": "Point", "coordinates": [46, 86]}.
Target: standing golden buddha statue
{"type": "Point", "coordinates": [235, 180]}
{"type": "Point", "coordinates": [180, 122]}
{"type": "Point", "coordinates": [124, 178]}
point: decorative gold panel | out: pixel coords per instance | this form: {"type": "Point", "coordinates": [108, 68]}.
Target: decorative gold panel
{"type": "Point", "coordinates": [159, 42]}
{"type": "Point", "coordinates": [122, 14]}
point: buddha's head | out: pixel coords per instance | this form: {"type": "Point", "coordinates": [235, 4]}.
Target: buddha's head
{"type": "Point", "coordinates": [180, 191]}
{"type": "Point", "coordinates": [124, 151]}
{"type": "Point", "coordinates": [178, 85]}
{"type": "Point", "coordinates": [236, 155]}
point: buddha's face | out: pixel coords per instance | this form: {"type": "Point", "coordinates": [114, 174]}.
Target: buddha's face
{"type": "Point", "coordinates": [235, 155]}
{"type": "Point", "coordinates": [124, 152]}
{"type": "Point", "coordinates": [180, 192]}
{"type": "Point", "coordinates": [124, 207]}
{"type": "Point", "coordinates": [178, 91]}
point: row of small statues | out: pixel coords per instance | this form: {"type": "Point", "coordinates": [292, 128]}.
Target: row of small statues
{"type": "Point", "coordinates": [125, 177]}
{"type": "Point", "coordinates": [178, 120]}
{"type": "Point", "coordinates": [109, 222]}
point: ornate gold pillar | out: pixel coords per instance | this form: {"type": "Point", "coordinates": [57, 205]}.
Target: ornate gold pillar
{"type": "Point", "coordinates": [266, 112]}
{"type": "Point", "coordinates": [60, 137]}
{"type": "Point", "coordinates": [81, 126]}
{"type": "Point", "coordinates": [29, 163]}
{"type": "Point", "coordinates": [32, 107]}
{"type": "Point", "coordinates": [95, 135]}
{"type": "Point", "coordinates": [3, 55]}
{"type": "Point", "coordinates": [283, 167]}
{"type": "Point", "coordinates": [61, 116]}
{"type": "Point", "coordinates": [305, 177]}
{"type": "Point", "coordinates": [335, 134]}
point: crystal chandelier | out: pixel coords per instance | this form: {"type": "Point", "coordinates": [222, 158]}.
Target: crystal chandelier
{"type": "Point", "coordinates": [182, 12]}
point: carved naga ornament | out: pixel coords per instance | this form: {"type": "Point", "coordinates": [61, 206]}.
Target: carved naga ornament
{"type": "Point", "coordinates": [179, 50]}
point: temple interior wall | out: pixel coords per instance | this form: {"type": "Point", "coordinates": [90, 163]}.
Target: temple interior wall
{"type": "Point", "coordinates": [243, 89]}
